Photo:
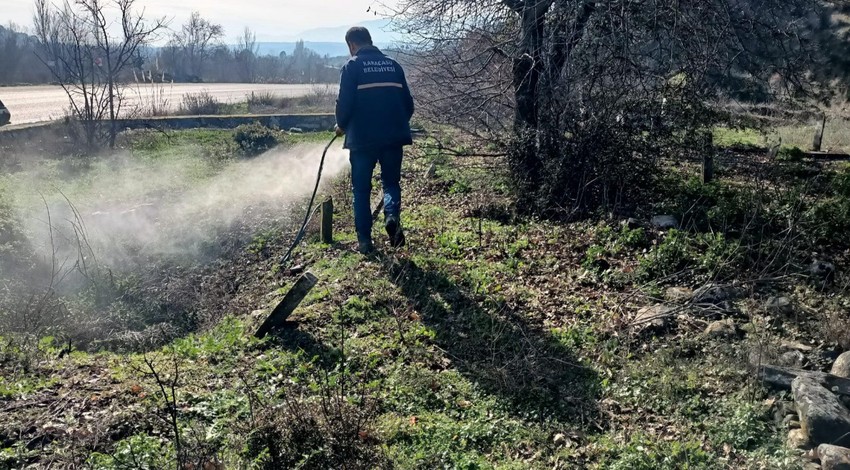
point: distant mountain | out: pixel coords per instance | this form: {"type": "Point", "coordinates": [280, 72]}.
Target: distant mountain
{"type": "Point", "coordinates": [381, 30]}
{"type": "Point", "coordinates": [331, 40]}
{"type": "Point", "coordinates": [332, 49]}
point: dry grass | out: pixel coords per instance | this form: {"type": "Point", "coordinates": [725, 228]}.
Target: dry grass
{"type": "Point", "coordinates": [836, 136]}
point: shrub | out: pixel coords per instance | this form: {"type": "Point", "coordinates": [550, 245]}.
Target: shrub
{"type": "Point", "coordinates": [139, 451]}
{"type": "Point", "coordinates": [265, 98]}
{"type": "Point", "coordinates": [790, 154]}
{"type": "Point", "coordinates": [826, 221]}
{"type": "Point", "coordinates": [255, 138]}
{"type": "Point", "coordinates": [707, 254]}
{"type": "Point", "coordinates": [743, 426]}
{"type": "Point", "coordinates": [320, 99]}
{"type": "Point", "coordinates": [200, 104]}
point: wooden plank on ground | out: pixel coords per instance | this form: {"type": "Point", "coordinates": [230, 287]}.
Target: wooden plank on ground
{"type": "Point", "coordinates": [781, 378]}
{"type": "Point", "coordinates": [288, 305]}
{"type": "Point", "coordinates": [828, 155]}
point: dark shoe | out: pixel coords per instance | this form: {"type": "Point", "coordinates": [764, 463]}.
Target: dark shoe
{"type": "Point", "coordinates": [365, 247]}
{"type": "Point", "coordinates": [395, 232]}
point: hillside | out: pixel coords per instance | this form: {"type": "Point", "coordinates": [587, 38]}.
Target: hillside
{"type": "Point", "coordinates": [492, 341]}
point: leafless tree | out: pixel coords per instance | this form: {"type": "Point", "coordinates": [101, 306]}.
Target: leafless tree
{"type": "Point", "coordinates": [87, 45]}
{"type": "Point", "coordinates": [593, 91]}
{"type": "Point", "coordinates": [11, 51]}
{"type": "Point", "coordinates": [194, 42]}
{"type": "Point", "coordinates": [246, 54]}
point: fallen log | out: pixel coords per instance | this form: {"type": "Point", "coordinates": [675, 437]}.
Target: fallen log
{"type": "Point", "coordinates": [781, 377]}
{"type": "Point", "coordinates": [288, 305]}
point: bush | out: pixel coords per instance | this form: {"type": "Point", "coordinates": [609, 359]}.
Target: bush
{"type": "Point", "coordinates": [826, 220]}
{"type": "Point", "coordinates": [139, 451]}
{"type": "Point", "coordinates": [790, 154]}
{"type": "Point", "coordinates": [200, 104]}
{"type": "Point", "coordinates": [709, 207]}
{"type": "Point", "coordinates": [325, 421]}
{"type": "Point", "coordinates": [255, 138]}
{"type": "Point", "coordinates": [265, 98]}
{"type": "Point", "coordinates": [708, 255]}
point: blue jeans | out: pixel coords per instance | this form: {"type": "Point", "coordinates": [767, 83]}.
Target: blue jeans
{"type": "Point", "coordinates": [362, 167]}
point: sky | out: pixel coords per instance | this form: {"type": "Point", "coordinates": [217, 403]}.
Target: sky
{"type": "Point", "coordinates": [280, 20]}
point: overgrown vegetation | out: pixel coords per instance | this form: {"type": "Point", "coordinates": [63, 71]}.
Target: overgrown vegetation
{"type": "Point", "coordinates": [200, 104]}
{"type": "Point", "coordinates": [321, 99]}
{"type": "Point", "coordinates": [493, 341]}
{"type": "Point", "coordinates": [602, 93]}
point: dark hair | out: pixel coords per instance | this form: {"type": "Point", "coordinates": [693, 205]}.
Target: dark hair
{"type": "Point", "coordinates": [358, 36]}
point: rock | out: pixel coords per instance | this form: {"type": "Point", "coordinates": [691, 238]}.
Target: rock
{"type": "Point", "coordinates": [794, 346]}
{"type": "Point", "coordinates": [431, 172]}
{"type": "Point", "coordinates": [779, 305]}
{"type": "Point", "coordinates": [656, 317]}
{"type": "Point", "coordinates": [782, 378]}
{"type": "Point", "coordinates": [714, 294]}
{"type": "Point", "coordinates": [841, 367]}
{"type": "Point", "coordinates": [822, 271]}
{"type": "Point", "coordinates": [749, 328]}
{"type": "Point", "coordinates": [823, 418]}
{"type": "Point", "coordinates": [559, 439]}
{"type": "Point", "coordinates": [721, 328]}
{"type": "Point", "coordinates": [678, 294]}
{"type": "Point", "coordinates": [296, 130]}
{"type": "Point", "coordinates": [632, 223]}
{"type": "Point", "coordinates": [792, 359]}
{"type": "Point", "coordinates": [834, 457]}
{"type": "Point", "coordinates": [665, 222]}
{"type": "Point", "coordinates": [797, 440]}
{"type": "Point", "coordinates": [812, 455]}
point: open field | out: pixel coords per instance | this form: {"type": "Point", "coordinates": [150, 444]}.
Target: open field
{"type": "Point", "coordinates": [30, 104]}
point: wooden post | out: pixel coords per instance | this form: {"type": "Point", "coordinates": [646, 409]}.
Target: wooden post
{"type": "Point", "coordinates": [707, 168]}
{"type": "Point", "coordinates": [328, 221]}
{"type": "Point", "coordinates": [288, 305]}
{"type": "Point", "coordinates": [706, 144]}
{"type": "Point", "coordinates": [817, 142]}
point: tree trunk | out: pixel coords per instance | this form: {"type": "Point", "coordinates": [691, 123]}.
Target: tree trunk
{"type": "Point", "coordinates": [527, 71]}
{"type": "Point", "coordinates": [528, 66]}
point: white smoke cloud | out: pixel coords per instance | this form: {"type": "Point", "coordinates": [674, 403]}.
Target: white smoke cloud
{"type": "Point", "coordinates": [136, 212]}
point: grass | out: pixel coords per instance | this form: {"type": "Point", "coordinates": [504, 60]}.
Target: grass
{"type": "Point", "coordinates": [742, 138]}
{"type": "Point", "coordinates": [836, 136]}
{"type": "Point", "coordinates": [493, 341]}
{"type": "Point", "coordinates": [321, 99]}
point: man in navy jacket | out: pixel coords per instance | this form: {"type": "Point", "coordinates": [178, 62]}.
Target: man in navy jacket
{"type": "Point", "coordinates": [373, 111]}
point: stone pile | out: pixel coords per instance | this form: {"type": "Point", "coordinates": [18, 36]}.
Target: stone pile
{"type": "Point", "coordinates": [821, 425]}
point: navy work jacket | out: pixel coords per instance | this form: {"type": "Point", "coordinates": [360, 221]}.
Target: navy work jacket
{"type": "Point", "coordinates": [374, 105]}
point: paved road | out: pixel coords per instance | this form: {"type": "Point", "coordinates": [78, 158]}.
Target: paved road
{"type": "Point", "coordinates": [44, 103]}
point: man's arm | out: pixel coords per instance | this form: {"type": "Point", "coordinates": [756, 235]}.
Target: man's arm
{"type": "Point", "coordinates": [347, 95]}
{"type": "Point", "coordinates": [408, 97]}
